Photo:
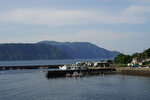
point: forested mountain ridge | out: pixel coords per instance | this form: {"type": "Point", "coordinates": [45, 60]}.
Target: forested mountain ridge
{"type": "Point", "coordinates": [30, 52]}
{"type": "Point", "coordinates": [51, 50]}
{"type": "Point", "coordinates": [82, 50]}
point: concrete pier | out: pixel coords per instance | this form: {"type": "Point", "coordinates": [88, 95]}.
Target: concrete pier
{"type": "Point", "coordinates": [28, 67]}
{"type": "Point", "coordinates": [99, 71]}
{"type": "Point", "coordinates": [63, 73]}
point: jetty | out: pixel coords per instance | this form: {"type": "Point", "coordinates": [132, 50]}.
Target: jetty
{"type": "Point", "coordinates": [63, 73]}
{"type": "Point", "coordinates": [28, 67]}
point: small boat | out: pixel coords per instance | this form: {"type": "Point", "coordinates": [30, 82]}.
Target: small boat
{"type": "Point", "coordinates": [65, 67]}
{"type": "Point", "coordinates": [72, 67]}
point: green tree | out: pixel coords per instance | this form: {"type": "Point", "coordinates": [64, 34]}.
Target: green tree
{"type": "Point", "coordinates": [147, 53]}
{"type": "Point", "coordinates": [123, 59]}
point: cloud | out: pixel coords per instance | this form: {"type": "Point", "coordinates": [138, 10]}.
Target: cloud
{"type": "Point", "coordinates": [137, 10]}
{"type": "Point", "coordinates": [52, 17]}
{"type": "Point", "coordinates": [46, 16]}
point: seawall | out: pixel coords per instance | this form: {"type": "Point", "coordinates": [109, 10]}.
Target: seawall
{"type": "Point", "coordinates": [133, 71]}
{"type": "Point", "coordinates": [28, 67]}
{"type": "Point", "coordinates": [101, 71]}
{"type": "Point", "coordinates": [63, 73]}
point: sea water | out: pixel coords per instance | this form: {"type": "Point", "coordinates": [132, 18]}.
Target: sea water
{"type": "Point", "coordinates": [33, 85]}
{"type": "Point", "coordinates": [44, 62]}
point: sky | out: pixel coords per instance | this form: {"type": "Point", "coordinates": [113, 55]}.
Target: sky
{"type": "Point", "coordinates": [120, 25]}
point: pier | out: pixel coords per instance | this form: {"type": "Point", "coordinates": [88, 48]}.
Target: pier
{"type": "Point", "coordinates": [28, 67]}
{"type": "Point", "coordinates": [101, 71]}
{"type": "Point", "coordinates": [63, 73]}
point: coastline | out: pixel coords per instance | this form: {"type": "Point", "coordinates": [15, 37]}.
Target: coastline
{"type": "Point", "coordinates": [29, 67]}
{"type": "Point", "coordinates": [106, 70]}
{"type": "Point", "coordinates": [102, 71]}
{"type": "Point", "coordinates": [133, 71]}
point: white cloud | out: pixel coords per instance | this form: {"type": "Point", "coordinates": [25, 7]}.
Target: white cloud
{"type": "Point", "coordinates": [46, 16]}
{"type": "Point", "coordinates": [131, 15]}
{"type": "Point", "coordinates": [136, 9]}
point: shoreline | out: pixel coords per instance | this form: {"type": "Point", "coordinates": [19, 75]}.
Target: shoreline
{"type": "Point", "coordinates": [100, 71]}
{"type": "Point", "coordinates": [28, 67]}
{"type": "Point", "coordinates": [133, 71]}
{"type": "Point", "coordinates": [106, 70]}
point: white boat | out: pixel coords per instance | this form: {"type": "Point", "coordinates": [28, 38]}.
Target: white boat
{"type": "Point", "coordinates": [72, 67]}
{"type": "Point", "coordinates": [65, 67]}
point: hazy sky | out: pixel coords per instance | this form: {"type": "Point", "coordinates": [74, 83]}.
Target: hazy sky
{"type": "Point", "coordinates": [122, 25]}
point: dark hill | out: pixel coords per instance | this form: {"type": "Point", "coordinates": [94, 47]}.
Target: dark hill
{"type": "Point", "coordinates": [30, 52]}
{"type": "Point", "coordinates": [47, 50]}
{"type": "Point", "coordinates": [82, 50]}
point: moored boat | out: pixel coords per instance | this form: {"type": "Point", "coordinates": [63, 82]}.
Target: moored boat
{"type": "Point", "coordinates": [64, 67]}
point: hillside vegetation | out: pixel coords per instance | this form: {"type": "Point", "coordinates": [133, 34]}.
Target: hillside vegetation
{"type": "Point", "coordinates": [47, 50]}
{"type": "Point", "coordinates": [124, 59]}
{"type": "Point", "coordinates": [83, 50]}
{"type": "Point", "coordinates": [30, 52]}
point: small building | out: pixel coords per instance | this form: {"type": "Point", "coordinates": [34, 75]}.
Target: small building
{"type": "Point", "coordinates": [136, 62]}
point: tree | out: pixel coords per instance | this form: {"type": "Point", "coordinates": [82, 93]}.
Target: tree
{"type": "Point", "coordinates": [123, 59]}
{"type": "Point", "coordinates": [147, 53]}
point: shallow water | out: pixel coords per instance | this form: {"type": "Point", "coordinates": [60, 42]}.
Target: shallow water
{"type": "Point", "coordinates": [32, 85]}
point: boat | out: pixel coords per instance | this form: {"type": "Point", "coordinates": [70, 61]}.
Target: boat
{"type": "Point", "coordinates": [65, 67]}
{"type": "Point", "coordinates": [72, 67]}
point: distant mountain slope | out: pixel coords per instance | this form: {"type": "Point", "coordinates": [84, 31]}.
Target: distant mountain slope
{"type": "Point", "coordinates": [30, 52]}
{"type": "Point", "coordinates": [82, 50]}
{"type": "Point", "coordinates": [47, 50]}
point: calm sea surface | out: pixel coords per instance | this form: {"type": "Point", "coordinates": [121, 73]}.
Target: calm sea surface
{"type": "Point", "coordinates": [43, 62]}
{"type": "Point", "coordinates": [32, 85]}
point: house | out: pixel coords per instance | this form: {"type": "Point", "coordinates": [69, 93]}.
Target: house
{"type": "Point", "coordinates": [136, 62]}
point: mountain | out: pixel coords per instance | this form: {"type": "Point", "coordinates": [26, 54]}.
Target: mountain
{"type": "Point", "coordinates": [30, 52]}
{"type": "Point", "coordinates": [82, 50]}
{"type": "Point", "coordinates": [47, 50]}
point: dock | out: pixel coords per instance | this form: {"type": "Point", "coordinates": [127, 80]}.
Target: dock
{"type": "Point", "coordinates": [28, 67]}
{"type": "Point", "coordinates": [101, 71]}
{"type": "Point", "coordinates": [63, 73]}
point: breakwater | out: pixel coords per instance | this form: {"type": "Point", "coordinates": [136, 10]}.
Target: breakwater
{"type": "Point", "coordinates": [92, 71]}
{"type": "Point", "coordinates": [101, 71]}
{"type": "Point", "coordinates": [28, 67]}
{"type": "Point", "coordinates": [63, 73]}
